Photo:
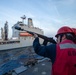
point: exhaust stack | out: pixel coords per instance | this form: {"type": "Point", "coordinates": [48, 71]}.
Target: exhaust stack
{"type": "Point", "coordinates": [30, 23]}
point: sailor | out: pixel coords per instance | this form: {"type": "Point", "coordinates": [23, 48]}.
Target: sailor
{"type": "Point", "coordinates": [62, 54]}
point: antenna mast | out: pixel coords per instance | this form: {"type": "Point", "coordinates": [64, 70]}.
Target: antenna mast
{"type": "Point", "coordinates": [23, 18]}
{"type": "Point", "coordinates": [6, 30]}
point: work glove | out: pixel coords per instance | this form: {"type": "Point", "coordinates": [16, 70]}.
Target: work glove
{"type": "Point", "coordinates": [45, 42]}
{"type": "Point", "coordinates": [35, 35]}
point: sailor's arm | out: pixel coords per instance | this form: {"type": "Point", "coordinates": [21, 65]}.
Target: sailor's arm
{"type": "Point", "coordinates": [46, 51]}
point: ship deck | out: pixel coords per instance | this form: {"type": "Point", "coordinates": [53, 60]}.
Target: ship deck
{"type": "Point", "coordinates": [17, 60]}
{"type": "Point", "coordinates": [42, 68]}
{"type": "Point", "coordinates": [9, 41]}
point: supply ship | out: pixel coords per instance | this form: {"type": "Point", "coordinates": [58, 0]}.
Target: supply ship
{"type": "Point", "coordinates": [20, 39]}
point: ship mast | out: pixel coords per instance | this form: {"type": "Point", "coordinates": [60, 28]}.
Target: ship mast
{"type": "Point", "coordinates": [23, 18]}
{"type": "Point", "coordinates": [6, 30]}
{"type": "Point", "coordinates": [2, 33]}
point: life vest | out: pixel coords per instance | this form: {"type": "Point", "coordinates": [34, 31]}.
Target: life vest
{"type": "Point", "coordinates": [65, 63]}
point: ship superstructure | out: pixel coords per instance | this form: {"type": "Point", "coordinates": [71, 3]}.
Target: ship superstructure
{"type": "Point", "coordinates": [19, 39]}
{"type": "Point", "coordinates": [28, 27]}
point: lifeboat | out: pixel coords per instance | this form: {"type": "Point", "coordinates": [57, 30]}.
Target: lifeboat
{"type": "Point", "coordinates": [25, 34]}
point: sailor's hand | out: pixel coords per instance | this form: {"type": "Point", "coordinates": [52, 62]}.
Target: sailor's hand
{"type": "Point", "coordinates": [35, 35]}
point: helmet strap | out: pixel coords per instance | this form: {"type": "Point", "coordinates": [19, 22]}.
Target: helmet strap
{"type": "Point", "coordinates": [61, 35]}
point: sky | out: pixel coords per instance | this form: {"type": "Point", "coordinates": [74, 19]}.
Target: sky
{"type": "Point", "coordinates": [49, 15]}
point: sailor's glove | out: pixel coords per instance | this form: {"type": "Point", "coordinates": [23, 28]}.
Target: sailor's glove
{"type": "Point", "coordinates": [35, 35]}
{"type": "Point", "coordinates": [45, 42]}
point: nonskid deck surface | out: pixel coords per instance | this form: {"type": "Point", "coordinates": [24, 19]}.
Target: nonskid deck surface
{"type": "Point", "coordinates": [42, 68]}
{"type": "Point", "coordinates": [13, 67]}
{"type": "Point", "coordinates": [20, 58]}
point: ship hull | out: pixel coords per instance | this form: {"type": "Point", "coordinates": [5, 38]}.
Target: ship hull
{"type": "Point", "coordinates": [23, 43]}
